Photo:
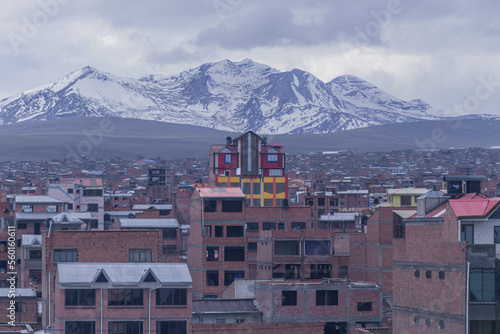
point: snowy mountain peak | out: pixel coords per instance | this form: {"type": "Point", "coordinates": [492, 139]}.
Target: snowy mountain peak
{"type": "Point", "coordinates": [226, 95]}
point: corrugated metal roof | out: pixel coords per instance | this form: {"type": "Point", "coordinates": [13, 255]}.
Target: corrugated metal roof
{"type": "Point", "coordinates": [31, 239]}
{"type": "Point", "coordinates": [225, 306]}
{"type": "Point", "coordinates": [37, 199]}
{"type": "Point", "coordinates": [66, 218]}
{"type": "Point", "coordinates": [208, 192]}
{"type": "Point", "coordinates": [407, 191]}
{"type": "Point", "coordinates": [47, 215]}
{"type": "Point", "coordinates": [151, 206]}
{"type": "Point", "coordinates": [474, 207]}
{"type": "Point", "coordinates": [123, 274]}
{"type": "Point", "coordinates": [20, 292]}
{"type": "Point", "coordinates": [149, 223]}
{"type": "Point", "coordinates": [344, 216]}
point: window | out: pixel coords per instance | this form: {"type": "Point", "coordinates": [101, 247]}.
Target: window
{"type": "Point", "coordinates": [125, 297]}
{"type": "Point", "coordinates": [268, 226]}
{"type": "Point", "coordinates": [79, 327]}
{"type": "Point", "coordinates": [321, 201]}
{"type": "Point", "coordinates": [416, 320]}
{"type": "Point", "coordinates": [140, 255]}
{"type": "Point", "coordinates": [317, 247]}
{"type": "Point", "coordinates": [169, 233]}
{"type": "Point", "coordinates": [124, 327]}
{"type": "Point", "coordinates": [230, 276]}
{"type": "Point", "coordinates": [275, 172]}
{"type": "Point", "coordinates": [272, 158]}
{"type": "Point", "coordinates": [210, 205]}
{"type": "Point", "coordinates": [79, 297]}
{"type": "Point", "coordinates": [228, 159]}
{"type": "Point", "coordinates": [428, 274]}
{"type": "Point", "coordinates": [281, 226]}
{"type": "Point", "coordinates": [92, 207]}
{"type": "Point", "coordinates": [171, 327]}
{"type": "Point", "coordinates": [27, 208]}
{"type": "Point", "coordinates": [36, 275]}
{"type": "Point", "coordinates": [94, 223]}
{"type": "Point", "coordinates": [239, 321]}
{"type": "Point", "coordinates": [234, 253]}
{"type": "Point", "coordinates": [70, 190]}
{"type": "Point", "coordinates": [232, 206]}
{"type": "Point", "coordinates": [327, 297]}
{"type": "Point", "coordinates": [289, 298]}
{"type": "Point", "coordinates": [70, 206]}
{"type": "Point", "coordinates": [399, 230]}
{"type": "Point", "coordinates": [22, 226]}
{"type": "Point", "coordinates": [299, 226]}
{"type": "Point", "coordinates": [252, 226]}
{"type": "Point", "coordinates": [405, 200]}
{"type": "Point", "coordinates": [92, 192]}
{"type": "Point", "coordinates": [286, 247]}
{"type": "Point", "coordinates": [169, 250]}
{"type": "Point", "coordinates": [171, 297]}
{"type": "Point", "coordinates": [482, 327]}
{"type": "Point", "coordinates": [234, 231]}
{"type": "Point", "coordinates": [467, 233]}
{"type": "Point", "coordinates": [482, 285]}
{"type": "Point", "coordinates": [441, 324]}
{"type": "Point", "coordinates": [441, 275]}
{"type": "Point", "coordinates": [219, 231]}
{"type": "Point", "coordinates": [212, 253]}
{"type": "Point", "coordinates": [20, 307]}
{"type": "Point", "coordinates": [417, 273]}
{"type": "Point", "coordinates": [65, 255]}
{"type": "Point", "coordinates": [252, 247]}
{"type": "Point", "coordinates": [163, 212]}
{"type": "Point", "coordinates": [364, 306]}
{"type": "Point", "coordinates": [343, 270]}
{"type": "Point", "coordinates": [35, 254]}
{"type": "Point", "coordinates": [427, 322]}
{"type": "Point", "coordinates": [212, 278]}
{"type": "Point", "coordinates": [496, 231]}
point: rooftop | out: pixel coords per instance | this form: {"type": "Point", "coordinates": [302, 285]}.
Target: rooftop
{"type": "Point", "coordinates": [149, 223]}
{"type": "Point", "coordinates": [207, 192]}
{"type": "Point", "coordinates": [206, 306]}
{"type": "Point", "coordinates": [37, 199]}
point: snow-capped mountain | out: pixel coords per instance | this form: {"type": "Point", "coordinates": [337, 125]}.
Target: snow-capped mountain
{"type": "Point", "coordinates": [235, 96]}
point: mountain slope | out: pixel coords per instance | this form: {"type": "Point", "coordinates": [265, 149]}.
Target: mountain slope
{"type": "Point", "coordinates": [226, 96]}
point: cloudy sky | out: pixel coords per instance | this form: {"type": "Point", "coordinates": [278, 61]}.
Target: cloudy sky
{"type": "Point", "coordinates": [445, 52]}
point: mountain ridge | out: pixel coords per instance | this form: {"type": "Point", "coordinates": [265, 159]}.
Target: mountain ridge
{"type": "Point", "coordinates": [224, 95]}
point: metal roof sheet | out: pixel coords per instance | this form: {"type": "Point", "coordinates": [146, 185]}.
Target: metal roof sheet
{"type": "Point", "coordinates": [152, 207]}
{"type": "Point", "coordinates": [208, 192]}
{"type": "Point", "coordinates": [339, 216]}
{"type": "Point", "coordinates": [66, 218]}
{"type": "Point", "coordinates": [125, 274]}
{"type": "Point", "coordinates": [31, 239]}
{"type": "Point", "coordinates": [47, 215]}
{"type": "Point", "coordinates": [474, 207]}
{"type": "Point", "coordinates": [149, 223]}
{"type": "Point", "coordinates": [37, 199]}
{"type": "Point", "coordinates": [20, 292]}
{"type": "Point", "coordinates": [225, 306]}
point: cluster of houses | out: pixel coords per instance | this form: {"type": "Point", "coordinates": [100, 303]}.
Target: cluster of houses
{"type": "Point", "coordinates": [248, 250]}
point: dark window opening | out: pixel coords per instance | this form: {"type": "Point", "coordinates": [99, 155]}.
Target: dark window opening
{"type": "Point", "coordinates": [79, 327]}
{"type": "Point", "coordinates": [169, 233]}
{"type": "Point", "coordinates": [171, 327]}
{"type": "Point", "coordinates": [289, 298]}
{"type": "Point", "coordinates": [364, 306]}
{"type": "Point", "coordinates": [252, 247]}
{"type": "Point", "coordinates": [317, 247]}
{"type": "Point", "coordinates": [79, 297]}
{"type": "Point", "coordinates": [252, 226]}
{"type": "Point", "coordinates": [125, 327]}
{"type": "Point", "coordinates": [327, 297]}
{"type": "Point", "coordinates": [232, 206]}
{"type": "Point", "coordinates": [140, 255]}
{"type": "Point", "coordinates": [212, 253]}
{"type": "Point", "coordinates": [219, 231]}
{"type": "Point", "coordinates": [212, 278]}
{"type": "Point", "coordinates": [171, 297]}
{"type": "Point", "coordinates": [125, 297]}
{"type": "Point", "coordinates": [286, 247]}
{"type": "Point", "coordinates": [230, 276]}
{"type": "Point", "coordinates": [234, 253]}
{"type": "Point", "coordinates": [65, 255]}
{"type": "Point", "coordinates": [234, 231]}
{"type": "Point", "coordinates": [266, 226]}
{"type": "Point", "coordinates": [210, 205]}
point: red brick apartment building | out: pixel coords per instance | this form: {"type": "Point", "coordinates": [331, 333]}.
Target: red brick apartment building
{"type": "Point", "coordinates": [120, 298]}
{"type": "Point", "coordinates": [224, 233]}
{"type": "Point", "coordinates": [446, 276]}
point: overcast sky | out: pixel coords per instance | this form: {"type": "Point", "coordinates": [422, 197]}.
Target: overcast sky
{"type": "Point", "coordinates": [444, 52]}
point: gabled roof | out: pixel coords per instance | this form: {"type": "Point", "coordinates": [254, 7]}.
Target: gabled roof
{"type": "Point", "coordinates": [66, 218]}
{"type": "Point", "coordinates": [152, 207]}
{"type": "Point", "coordinates": [31, 240]}
{"type": "Point", "coordinates": [123, 274]}
{"type": "Point", "coordinates": [220, 192]}
{"type": "Point", "coordinates": [27, 216]}
{"type": "Point", "coordinates": [474, 207]}
{"type": "Point", "coordinates": [149, 223]}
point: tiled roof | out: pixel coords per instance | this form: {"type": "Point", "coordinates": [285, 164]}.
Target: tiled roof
{"type": "Point", "coordinates": [221, 192]}
{"type": "Point", "coordinates": [225, 306]}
